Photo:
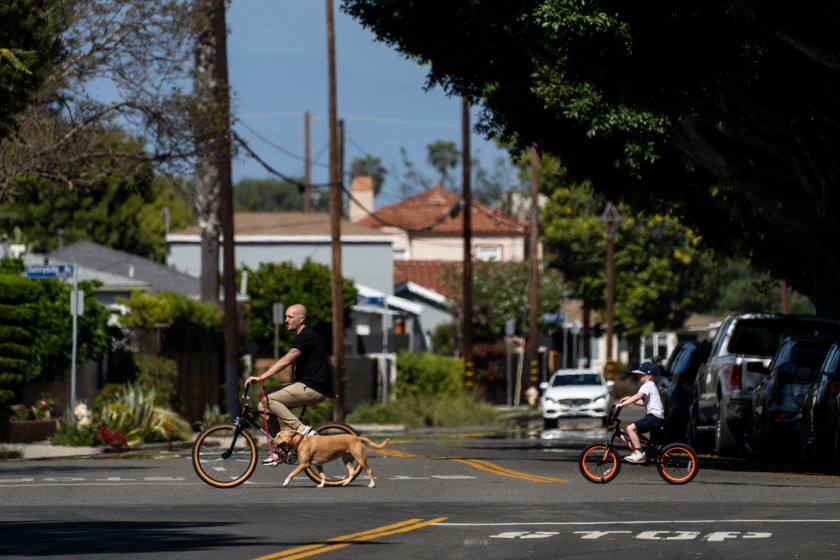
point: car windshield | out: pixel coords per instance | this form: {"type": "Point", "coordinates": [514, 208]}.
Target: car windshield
{"type": "Point", "coordinates": [761, 337]}
{"type": "Point", "coordinates": [576, 379]}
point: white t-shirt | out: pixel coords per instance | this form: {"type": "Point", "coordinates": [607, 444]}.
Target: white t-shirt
{"type": "Point", "coordinates": [653, 404]}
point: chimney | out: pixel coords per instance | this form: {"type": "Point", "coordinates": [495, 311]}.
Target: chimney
{"type": "Point", "coordinates": [362, 190]}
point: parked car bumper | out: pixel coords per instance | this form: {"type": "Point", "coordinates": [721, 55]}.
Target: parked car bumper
{"type": "Point", "coordinates": [738, 412]}
{"type": "Point", "coordinates": [553, 411]}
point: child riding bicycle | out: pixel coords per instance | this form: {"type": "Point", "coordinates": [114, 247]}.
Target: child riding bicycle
{"type": "Point", "coordinates": [654, 412]}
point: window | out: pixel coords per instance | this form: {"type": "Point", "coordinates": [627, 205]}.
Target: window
{"type": "Point", "coordinates": [488, 253]}
{"type": "Point", "coordinates": [400, 254]}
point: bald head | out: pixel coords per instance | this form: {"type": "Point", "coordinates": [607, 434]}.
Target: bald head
{"type": "Point", "coordinates": [295, 317]}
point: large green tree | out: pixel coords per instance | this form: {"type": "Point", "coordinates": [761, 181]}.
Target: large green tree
{"type": "Point", "coordinates": [266, 195]}
{"type": "Point", "coordinates": [309, 284]}
{"type": "Point", "coordinates": [723, 112]}
{"type": "Point", "coordinates": [663, 274]}
{"type": "Point", "coordinates": [121, 209]}
{"type": "Point", "coordinates": [30, 48]}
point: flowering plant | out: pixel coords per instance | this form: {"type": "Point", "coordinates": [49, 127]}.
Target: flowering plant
{"type": "Point", "coordinates": [42, 409]}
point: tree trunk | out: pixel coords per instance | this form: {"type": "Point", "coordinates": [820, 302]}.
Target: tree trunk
{"type": "Point", "coordinates": [209, 113]}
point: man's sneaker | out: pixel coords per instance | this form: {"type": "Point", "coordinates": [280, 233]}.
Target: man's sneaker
{"type": "Point", "coordinates": [305, 430]}
{"type": "Point", "coordinates": [636, 457]}
{"type": "Point", "coordinates": [274, 458]}
{"type": "Point", "coordinates": [272, 461]}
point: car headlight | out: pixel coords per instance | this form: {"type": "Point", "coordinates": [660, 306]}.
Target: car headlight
{"type": "Point", "coordinates": [601, 400]}
{"type": "Point", "coordinates": [547, 400]}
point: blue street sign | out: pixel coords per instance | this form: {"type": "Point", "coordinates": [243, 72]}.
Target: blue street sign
{"type": "Point", "coordinates": [47, 271]}
{"type": "Point", "coordinates": [362, 300]}
{"type": "Point", "coordinates": [554, 318]}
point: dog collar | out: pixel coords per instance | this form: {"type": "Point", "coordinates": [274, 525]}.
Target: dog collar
{"type": "Point", "coordinates": [292, 442]}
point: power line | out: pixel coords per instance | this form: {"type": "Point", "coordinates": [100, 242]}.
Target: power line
{"type": "Point", "coordinates": [280, 148]}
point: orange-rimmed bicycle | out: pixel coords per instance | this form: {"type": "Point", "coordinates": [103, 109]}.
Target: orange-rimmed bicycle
{"type": "Point", "coordinates": [600, 463]}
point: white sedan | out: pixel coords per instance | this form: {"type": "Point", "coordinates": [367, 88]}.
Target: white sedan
{"type": "Point", "coordinates": [575, 392]}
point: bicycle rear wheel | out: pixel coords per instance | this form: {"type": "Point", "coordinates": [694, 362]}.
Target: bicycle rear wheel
{"type": "Point", "coordinates": [677, 464]}
{"type": "Point", "coordinates": [224, 456]}
{"type": "Point", "coordinates": [599, 463]}
{"type": "Point", "coordinates": [344, 469]}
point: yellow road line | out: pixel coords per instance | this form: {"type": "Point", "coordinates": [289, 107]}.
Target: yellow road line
{"type": "Point", "coordinates": [396, 453]}
{"type": "Point", "coordinates": [496, 469]}
{"type": "Point", "coordinates": [347, 540]}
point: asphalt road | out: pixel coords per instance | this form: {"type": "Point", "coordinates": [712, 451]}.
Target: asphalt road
{"type": "Point", "coordinates": [443, 495]}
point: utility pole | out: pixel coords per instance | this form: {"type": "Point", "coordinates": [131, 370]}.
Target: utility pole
{"type": "Point", "coordinates": [307, 174]}
{"type": "Point", "coordinates": [466, 311]}
{"type": "Point", "coordinates": [612, 217]}
{"type": "Point", "coordinates": [533, 276]}
{"type": "Point", "coordinates": [335, 227]}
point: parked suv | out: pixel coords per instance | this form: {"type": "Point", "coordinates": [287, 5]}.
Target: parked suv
{"type": "Point", "coordinates": [819, 412]}
{"type": "Point", "coordinates": [740, 353]}
{"type": "Point", "coordinates": [778, 399]}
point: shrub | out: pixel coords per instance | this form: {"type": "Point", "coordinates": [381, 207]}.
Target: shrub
{"type": "Point", "coordinates": [428, 374]}
{"type": "Point", "coordinates": [418, 411]}
{"type": "Point", "coordinates": [162, 374]}
{"type": "Point", "coordinates": [129, 410]}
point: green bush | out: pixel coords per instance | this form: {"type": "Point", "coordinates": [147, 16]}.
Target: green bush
{"type": "Point", "coordinates": [196, 325]}
{"type": "Point", "coordinates": [129, 410]}
{"type": "Point", "coordinates": [424, 411]}
{"type": "Point", "coordinates": [162, 374]}
{"type": "Point", "coordinates": [423, 373]}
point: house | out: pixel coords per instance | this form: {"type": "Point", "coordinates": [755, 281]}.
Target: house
{"type": "Point", "coordinates": [274, 237]}
{"type": "Point", "coordinates": [428, 231]}
{"type": "Point", "coordinates": [430, 226]}
{"type": "Point", "coordinates": [121, 273]}
{"type": "Point", "coordinates": [367, 258]}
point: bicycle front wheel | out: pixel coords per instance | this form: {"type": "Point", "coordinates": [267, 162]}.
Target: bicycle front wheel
{"type": "Point", "coordinates": [224, 456]}
{"type": "Point", "coordinates": [678, 463]}
{"type": "Point", "coordinates": [599, 463]}
{"type": "Point", "coordinates": [344, 468]}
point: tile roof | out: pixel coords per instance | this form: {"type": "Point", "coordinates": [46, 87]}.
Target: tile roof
{"type": "Point", "coordinates": [287, 224]}
{"type": "Point", "coordinates": [158, 276]}
{"type": "Point", "coordinates": [430, 211]}
{"type": "Point", "coordinates": [433, 275]}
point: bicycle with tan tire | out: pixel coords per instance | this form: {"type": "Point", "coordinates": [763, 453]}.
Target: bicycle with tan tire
{"type": "Point", "coordinates": [225, 455]}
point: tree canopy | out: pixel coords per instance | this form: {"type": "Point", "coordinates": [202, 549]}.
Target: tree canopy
{"type": "Point", "coordinates": [724, 114]}
{"type": "Point", "coordinates": [30, 45]}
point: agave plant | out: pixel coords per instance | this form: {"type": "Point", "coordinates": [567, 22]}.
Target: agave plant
{"type": "Point", "coordinates": [134, 414]}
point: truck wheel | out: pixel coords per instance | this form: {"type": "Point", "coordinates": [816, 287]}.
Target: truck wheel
{"type": "Point", "coordinates": [693, 436]}
{"type": "Point", "coordinates": [725, 443]}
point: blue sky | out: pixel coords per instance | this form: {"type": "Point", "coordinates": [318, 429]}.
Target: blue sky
{"type": "Point", "coordinates": [277, 54]}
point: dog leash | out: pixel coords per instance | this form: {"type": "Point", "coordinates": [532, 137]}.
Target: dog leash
{"type": "Point", "coordinates": [264, 400]}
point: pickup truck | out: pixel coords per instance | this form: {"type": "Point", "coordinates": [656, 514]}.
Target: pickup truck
{"type": "Point", "coordinates": [738, 358]}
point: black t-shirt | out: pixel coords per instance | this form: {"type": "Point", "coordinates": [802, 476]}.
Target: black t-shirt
{"type": "Point", "coordinates": [312, 368]}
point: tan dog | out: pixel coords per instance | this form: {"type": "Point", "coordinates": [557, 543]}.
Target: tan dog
{"type": "Point", "coordinates": [317, 450]}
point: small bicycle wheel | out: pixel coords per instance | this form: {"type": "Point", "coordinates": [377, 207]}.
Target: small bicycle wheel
{"type": "Point", "coordinates": [344, 468]}
{"type": "Point", "coordinates": [678, 463]}
{"type": "Point", "coordinates": [599, 463]}
{"type": "Point", "coordinates": [224, 456]}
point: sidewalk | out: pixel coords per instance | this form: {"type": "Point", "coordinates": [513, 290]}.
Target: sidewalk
{"type": "Point", "coordinates": [46, 450]}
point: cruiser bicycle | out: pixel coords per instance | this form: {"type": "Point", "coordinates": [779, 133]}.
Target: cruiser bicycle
{"type": "Point", "coordinates": [600, 463]}
{"type": "Point", "coordinates": [225, 455]}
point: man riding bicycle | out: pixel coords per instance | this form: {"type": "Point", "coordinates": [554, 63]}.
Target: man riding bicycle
{"type": "Point", "coordinates": [312, 379]}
